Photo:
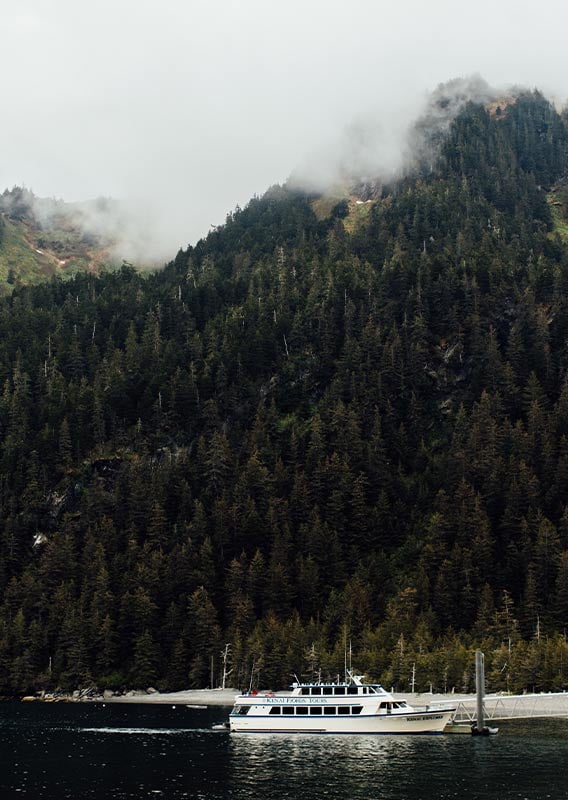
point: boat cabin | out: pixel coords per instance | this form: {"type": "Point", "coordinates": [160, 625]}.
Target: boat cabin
{"type": "Point", "coordinates": [353, 687]}
{"type": "Point", "coordinates": [334, 689]}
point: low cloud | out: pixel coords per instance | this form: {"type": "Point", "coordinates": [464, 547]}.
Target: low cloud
{"type": "Point", "coordinates": [183, 112]}
{"type": "Point", "coordinates": [379, 148]}
{"type": "Point", "coordinates": [126, 232]}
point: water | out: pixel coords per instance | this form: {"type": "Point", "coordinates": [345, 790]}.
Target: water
{"type": "Point", "coordinates": [117, 752]}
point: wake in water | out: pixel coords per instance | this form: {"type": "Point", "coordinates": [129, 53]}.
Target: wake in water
{"type": "Point", "coordinates": [143, 731]}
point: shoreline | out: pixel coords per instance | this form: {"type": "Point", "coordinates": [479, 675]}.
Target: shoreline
{"type": "Point", "coordinates": [188, 697]}
{"type": "Point", "coordinates": [207, 697]}
{"type": "Point", "coordinates": [203, 698]}
{"type": "Point", "coordinates": [226, 697]}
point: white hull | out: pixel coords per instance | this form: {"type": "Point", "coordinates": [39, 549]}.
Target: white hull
{"type": "Point", "coordinates": [421, 722]}
{"type": "Point", "coordinates": [348, 707]}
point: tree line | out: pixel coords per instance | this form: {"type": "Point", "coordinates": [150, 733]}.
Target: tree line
{"type": "Point", "coordinates": [301, 435]}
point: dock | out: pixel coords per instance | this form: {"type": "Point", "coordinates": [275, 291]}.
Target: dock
{"type": "Point", "coordinates": [503, 707]}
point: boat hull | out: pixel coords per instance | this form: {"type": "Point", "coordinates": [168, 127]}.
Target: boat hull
{"type": "Point", "coordinates": [416, 722]}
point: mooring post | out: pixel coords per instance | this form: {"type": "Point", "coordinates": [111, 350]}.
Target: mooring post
{"type": "Point", "coordinates": [480, 687]}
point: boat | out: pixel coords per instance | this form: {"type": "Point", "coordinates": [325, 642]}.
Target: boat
{"type": "Point", "coordinates": [352, 706]}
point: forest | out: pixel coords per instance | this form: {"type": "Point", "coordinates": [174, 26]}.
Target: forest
{"type": "Point", "coordinates": [304, 434]}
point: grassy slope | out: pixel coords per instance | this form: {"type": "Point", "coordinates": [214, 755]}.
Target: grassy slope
{"type": "Point", "coordinates": [558, 217]}
{"type": "Point", "coordinates": [63, 252]}
{"type": "Point", "coordinates": [358, 212]}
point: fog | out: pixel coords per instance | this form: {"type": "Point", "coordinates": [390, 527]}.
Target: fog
{"type": "Point", "coordinates": [183, 109]}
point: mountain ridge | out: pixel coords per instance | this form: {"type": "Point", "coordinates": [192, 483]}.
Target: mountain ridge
{"type": "Point", "coordinates": [302, 431]}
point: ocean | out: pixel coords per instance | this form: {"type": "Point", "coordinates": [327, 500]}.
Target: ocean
{"type": "Point", "coordinates": [88, 751]}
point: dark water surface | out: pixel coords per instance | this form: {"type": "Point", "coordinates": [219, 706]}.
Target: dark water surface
{"type": "Point", "coordinates": [91, 751]}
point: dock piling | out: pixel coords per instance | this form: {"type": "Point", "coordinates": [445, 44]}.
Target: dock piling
{"type": "Point", "coordinates": [479, 728]}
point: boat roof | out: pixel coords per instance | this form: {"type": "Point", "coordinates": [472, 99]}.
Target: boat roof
{"type": "Point", "coordinates": [336, 683]}
{"type": "Point", "coordinates": [354, 680]}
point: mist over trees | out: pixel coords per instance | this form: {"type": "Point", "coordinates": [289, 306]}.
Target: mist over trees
{"type": "Point", "coordinates": [303, 433]}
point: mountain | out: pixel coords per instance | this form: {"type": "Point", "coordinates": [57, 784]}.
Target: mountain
{"type": "Point", "coordinates": [41, 237]}
{"type": "Point", "coordinates": [335, 419]}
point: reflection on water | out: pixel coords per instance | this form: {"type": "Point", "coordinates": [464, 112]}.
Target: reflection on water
{"type": "Point", "coordinates": [512, 765]}
{"type": "Point", "coordinates": [354, 767]}
{"type": "Point", "coordinates": [87, 752]}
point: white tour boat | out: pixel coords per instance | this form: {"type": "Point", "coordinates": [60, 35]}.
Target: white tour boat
{"type": "Point", "coordinates": [348, 707]}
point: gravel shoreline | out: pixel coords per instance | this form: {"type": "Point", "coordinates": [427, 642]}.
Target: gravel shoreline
{"type": "Point", "coordinates": [226, 697]}
{"type": "Point", "coordinates": [191, 697]}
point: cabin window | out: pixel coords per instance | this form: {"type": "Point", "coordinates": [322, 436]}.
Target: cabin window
{"type": "Point", "coordinates": [352, 690]}
{"type": "Point", "coordinates": [316, 690]}
{"type": "Point", "coordinates": [328, 710]}
{"type": "Point", "coordinates": [274, 710]}
{"type": "Point", "coordinates": [339, 690]}
{"type": "Point", "coordinates": [383, 705]}
{"type": "Point", "coordinates": [402, 704]}
{"type": "Point", "coordinates": [356, 709]}
{"type": "Point", "coordinates": [327, 690]}
{"type": "Point", "coordinates": [242, 710]}
{"type": "Point", "coordinates": [316, 710]}
{"type": "Point", "coordinates": [343, 709]}
{"type": "Point", "coordinates": [301, 709]}
{"type": "Point", "coordinates": [288, 709]}
{"type": "Point", "coordinates": [305, 690]}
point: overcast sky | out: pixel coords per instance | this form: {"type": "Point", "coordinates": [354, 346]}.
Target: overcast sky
{"type": "Point", "coordinates": [189, 107]}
